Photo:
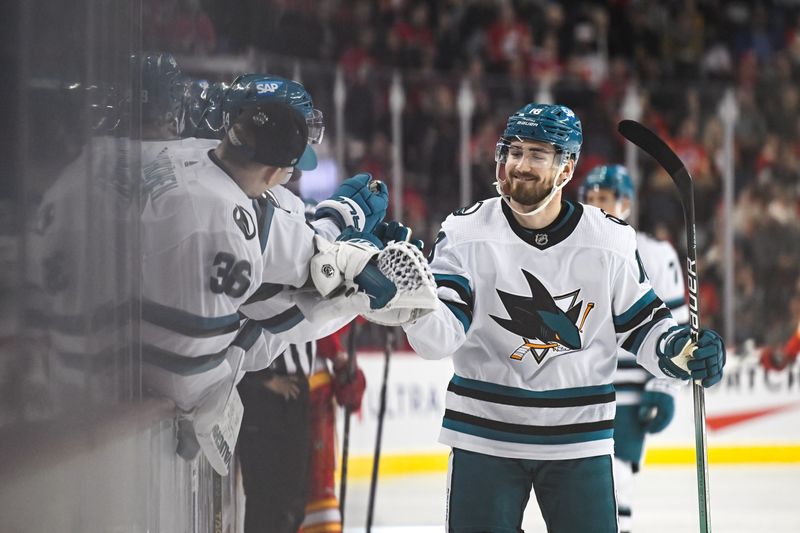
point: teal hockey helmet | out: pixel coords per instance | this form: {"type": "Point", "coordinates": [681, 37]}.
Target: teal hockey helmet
{"type": "Point", "coordinates": [615, 178]}
{"type": "Point", "coordinates": [250, 89]}
{"type": "Point", "coordinates": [550, 123]}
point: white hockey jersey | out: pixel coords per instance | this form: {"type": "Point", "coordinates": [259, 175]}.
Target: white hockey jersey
{"type": "Point", "coordinates": [533, 320]}
{"type": "Point", "coordinates": [277, 305]}
{"type": "Point", "coordinates": [663, 267]}
{"type": "Point", "coordinates": [201, 260]}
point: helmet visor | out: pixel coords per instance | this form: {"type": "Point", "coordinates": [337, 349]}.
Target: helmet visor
{"type": "Point", "coordinates": [316, 126]}
{"type": "Point", "coordinates": [541, 156]}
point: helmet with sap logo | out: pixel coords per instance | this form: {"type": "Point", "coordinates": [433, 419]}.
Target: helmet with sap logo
{"type": "Point", "coordinates": [615, 178]}
{"type": "Point", "coordinates": [162, 91]}
{"type": "Point", "coordinates": [250, 89]}
{"type": "Point", "coordinates": [553, 124]}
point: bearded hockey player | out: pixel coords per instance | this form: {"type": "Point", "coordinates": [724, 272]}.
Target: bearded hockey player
{"type": "Point", "coordinates": [644, 404]}
{"type": "Point", "coordinates": [537, 295]}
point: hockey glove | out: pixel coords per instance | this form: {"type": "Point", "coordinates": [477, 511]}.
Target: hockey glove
{"type": "Point", "coordinates": [394, 231]}
{"type": "Point", "coordinates": [349, 393]}
{"type": "Point", "coordinates": [657, 407]}
{"type": "Point", "coordinates": [348, 266]}
{"type": "Point", "coordinates": [359, 202]}
{"type": "Point", "coordinates": [679, 358]}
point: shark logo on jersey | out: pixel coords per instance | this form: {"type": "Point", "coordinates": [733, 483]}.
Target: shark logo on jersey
{"type": "Point", "coordinates": [543, 321]}
{"type": "Point", "coordinates": [244, 220]}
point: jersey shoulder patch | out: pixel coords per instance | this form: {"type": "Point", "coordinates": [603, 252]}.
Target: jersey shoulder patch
{"type": "Point", "coordinates": [479, 221]}
{"type": "Point", "coordinates": [607, 231]}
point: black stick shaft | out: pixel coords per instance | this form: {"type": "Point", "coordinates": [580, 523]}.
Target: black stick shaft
{"type": "Point", "coordinates": [698, 393]}
{"type": "Point", "coordinates": [351, 370]}
{"type": "Point", "coordinates": [663, 154]}
{"type": "Point", "coordinates": [387, 353]}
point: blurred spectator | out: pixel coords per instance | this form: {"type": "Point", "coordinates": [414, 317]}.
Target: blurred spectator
{"type": "Point", "coordinates": [682, 57]}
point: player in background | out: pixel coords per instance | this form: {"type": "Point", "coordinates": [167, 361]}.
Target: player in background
{"type": "Point", "coordinates": [645, 404]}
{"type": "Point", "coordinates": [330, 386]}
{"type": "Point", "coordinates": [537, 295]}
{"type": "Point", "coordinates": [783, 356]}
{"type": "Point", "coordinates": [76, 319]}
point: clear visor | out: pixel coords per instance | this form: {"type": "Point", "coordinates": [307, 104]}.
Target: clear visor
{"type": "Point", "coordinates": [535, 158]}
{"type": "Point", "coordinates": [316, 126]}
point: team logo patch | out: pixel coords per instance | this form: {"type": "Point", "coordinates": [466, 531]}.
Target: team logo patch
{"type": "Point", "coordinates": [544, 322]}
{"type": "Point", "coordinates": [540, 239]}
{"type": "Point", "coordinates": [328, 271]}
{"type": "Point", "coordinates": [244, 220]}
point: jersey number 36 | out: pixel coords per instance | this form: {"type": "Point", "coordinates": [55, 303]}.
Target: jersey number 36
{"type": "Point", "coordinates": [231, 277]}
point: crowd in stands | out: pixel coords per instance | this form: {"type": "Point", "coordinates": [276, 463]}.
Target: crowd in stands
{"type": "Point", "coordinates": [682, 56]}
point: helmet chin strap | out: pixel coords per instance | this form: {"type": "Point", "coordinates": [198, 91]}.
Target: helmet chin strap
{"type": "Point", "coordinates": [507, 198]}
{"type": "Point", "coordinates": [623, 213]}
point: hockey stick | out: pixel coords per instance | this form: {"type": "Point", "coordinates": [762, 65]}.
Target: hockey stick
{"type": "Point", "coordinates": [351, 371]}
{"type": "Point", "coordinates": [387, 353]}
{"type": "Point", "coordinates": [663, 154]}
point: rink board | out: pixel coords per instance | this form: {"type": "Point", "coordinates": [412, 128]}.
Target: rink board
{"type": "Point", "coordinates": [753, 417]}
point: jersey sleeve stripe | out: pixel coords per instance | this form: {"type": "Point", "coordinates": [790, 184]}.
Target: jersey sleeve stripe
{"type": "Point", "coordinates": [269, 211]}
{"type": "Point", "coordinates": [248, 335]}
{"type": "Point", "coordinates": [629, 387]}
{"type": "Point", "coordinates": [520, 433]}
{"type": "Point", "coordinates": [458, 284]}
{"type": "Point", "coordinates": [187, 323]}
{"type": "Point", "coordinates": [636, 337]}
{"type": "Point", "coordinates": [574, 392]}
{"type": "Point", "coordinates": [103, 317]}
{"type": "Point", "coordinates": [636, 314]}
{"type": "Point", "coordinates": [283, 321]}
{"type": "Point", "coordinates": [461, 312]}
{"type": "Point", "coordinates": [675, 303]}
{"type": "Point", "coordinates": [265, 292]}
{"type": "Point", "coordinates": [530, 401]}
{"type": "Point", "coordinates": [181, 364]}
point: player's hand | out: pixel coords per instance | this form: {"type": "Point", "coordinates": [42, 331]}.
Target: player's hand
{"type": "Point", "coordinates": [395, 231]}
{"type": "Point", "coordinates": [657, 407]}
{"type": "Point", "coordinates": [286, 387]}
{"type": "Point", "coordinates": [349, 393]}
{"type": "Point", "coordinates": [187, 447]}
{"type": "Point", "coordinates": [679, 358]}
{"type": "Point", "coordinates": [773, 358]}
{"type": "Point", "coordinates": [359, 201]}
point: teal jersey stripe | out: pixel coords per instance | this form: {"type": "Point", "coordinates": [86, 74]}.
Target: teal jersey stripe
{"type": "Point", "coordinates": [269, 211]}
{"type": "Point", "coordinates": [459, 314]}
{"type": "Point", "coordinates": [187, 323]}
{"type": "Point", "coordinates": [643, 302]}
{"type": "Point", "coordinates": [493, 434]}
{"type": "Point", "coordinates": [283, 321]}
{"type": "Point", "coordinates": [637, 336]}
{"type": "Point", "coordinates": [575, 392]}
{"type": "Point", "coordinates": [179, 364]}
{"type": "Point", "coordinates": [455, 278]}
{"type": "Point", "coordinates": [675, 303]}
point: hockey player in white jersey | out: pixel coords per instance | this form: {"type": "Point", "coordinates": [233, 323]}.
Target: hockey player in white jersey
{"type": "Point", "coordinates": [206, 215]}
{"type": "Point", "coordinates": [645, 404]}
{"type": "Point", "coordinates": [536, 297]}
{"type": "Point", "coordinates": [358, 204]}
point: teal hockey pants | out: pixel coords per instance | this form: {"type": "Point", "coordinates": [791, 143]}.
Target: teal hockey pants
{"type": "Point", "coordinates": [489, 494]}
